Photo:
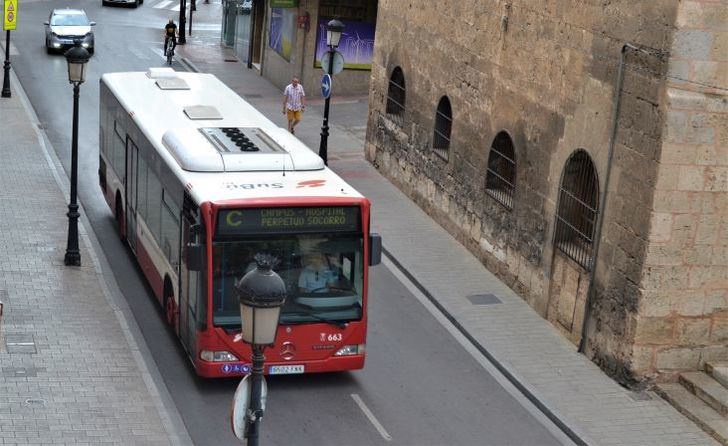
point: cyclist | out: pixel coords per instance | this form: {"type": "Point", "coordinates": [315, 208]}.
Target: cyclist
{"type": "Point", "coordinates": [170, 32]}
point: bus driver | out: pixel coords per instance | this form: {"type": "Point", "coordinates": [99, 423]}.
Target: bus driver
{"type": "Point", "coordinates": [317, 275]}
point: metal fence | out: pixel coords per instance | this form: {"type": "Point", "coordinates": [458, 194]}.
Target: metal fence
{"type": "Point", "coordinates": [500, 179]}
{"type": "Point", "coordinates": [443, 126]}
{"type": "Point", "coordinates": [577, 211]}
{"type": "Point", "coordinates": [396, 96]}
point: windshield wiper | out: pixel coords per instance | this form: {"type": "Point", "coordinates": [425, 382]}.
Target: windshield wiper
{"type": "Point", "coordinates": [303, 312]}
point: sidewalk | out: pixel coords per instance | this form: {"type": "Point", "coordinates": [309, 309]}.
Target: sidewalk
{"type": "Point", "coordinates": [70, 370]}
{"type": "Point", "coordinates": [589, 403]}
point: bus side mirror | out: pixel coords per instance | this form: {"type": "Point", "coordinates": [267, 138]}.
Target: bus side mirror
{"type": "Point", "coordinates": [375, 249]}
{"type": "Point", "coordinates": [195, 257]}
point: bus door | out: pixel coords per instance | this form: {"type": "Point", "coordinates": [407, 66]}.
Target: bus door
{"type": "Point", "coordinates": [132, 154]}
{"type": "Point", "coordinates": [189, 289]}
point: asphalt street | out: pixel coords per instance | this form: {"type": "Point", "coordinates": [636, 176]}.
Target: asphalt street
{"type": "Point", "coordinates": [419, 386]}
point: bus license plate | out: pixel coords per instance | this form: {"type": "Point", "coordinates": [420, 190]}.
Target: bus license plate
{"type": "Point", "coordinates": [285, 369]}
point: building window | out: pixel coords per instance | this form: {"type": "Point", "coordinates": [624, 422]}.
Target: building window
{"type": "Point", "coordinates": [396, 96]}
{"type": "Point", "coordinates": [577, 209]}
{"type": "Point", "coordinates": [443, 126]}
{"type": "Point", "coordinates": [500, 179]}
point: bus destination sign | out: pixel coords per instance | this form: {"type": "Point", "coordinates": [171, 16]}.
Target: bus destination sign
{"type": "Point", "coordinates": [288, 220]}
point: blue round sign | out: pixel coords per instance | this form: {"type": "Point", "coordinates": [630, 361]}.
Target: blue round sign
{"type": "Point", "coordinates": [326, 86]}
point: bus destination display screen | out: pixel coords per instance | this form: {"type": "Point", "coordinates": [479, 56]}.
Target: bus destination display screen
{"type": "Point", "coordinates": [289, 220]}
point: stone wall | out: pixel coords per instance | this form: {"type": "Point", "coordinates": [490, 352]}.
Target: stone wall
{"type": "Point", "coordinates": [545, 72]}
{"type": "Point", "coordinates": [683, 317]}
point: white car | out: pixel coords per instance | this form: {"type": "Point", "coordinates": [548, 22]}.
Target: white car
{"type": "Point", "coordinates": [66, 25]}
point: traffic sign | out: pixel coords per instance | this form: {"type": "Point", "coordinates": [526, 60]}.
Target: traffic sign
{"type": "Point", "coordinates": [326, 86]}
{"type": "Point", "coordinates": [241, 403]}
{"type": "Point", "coordinates": [10, 15]}
{"type": "Point", "coordinates": [338, 62]}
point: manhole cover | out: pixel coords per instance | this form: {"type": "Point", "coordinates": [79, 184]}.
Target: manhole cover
{"type": "Point", "coordinates": [484, 299]}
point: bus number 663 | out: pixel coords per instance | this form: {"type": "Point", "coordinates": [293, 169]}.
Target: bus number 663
{"type": "Point", "coordinates": [331, 337]}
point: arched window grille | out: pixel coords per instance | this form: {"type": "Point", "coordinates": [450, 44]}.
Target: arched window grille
{"type": "Point", "coordinates": [500, 179]}
{"type": "Point", "coordinates": [396, 95]}
{"type": "Point", "coordinates": [578, 208]}
{"type": "Point", "coordinates": [443, 127]}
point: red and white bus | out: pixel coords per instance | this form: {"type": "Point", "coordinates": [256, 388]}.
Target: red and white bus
{"type": "Point", "coordinates": [199, 182]}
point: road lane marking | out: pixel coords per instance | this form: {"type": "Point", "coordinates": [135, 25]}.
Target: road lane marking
{"type": "Point", "coordinates": [176, 8]}
{"type": "Point", "coordinates": [372, 419]}
{"type": "Point", "coordinates": [162, 5]}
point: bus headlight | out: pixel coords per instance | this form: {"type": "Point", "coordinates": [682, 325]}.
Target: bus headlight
{"type": "Point", "coordinates": [349, 350]}
{"type": "Point", "coordinates": [219, 356]}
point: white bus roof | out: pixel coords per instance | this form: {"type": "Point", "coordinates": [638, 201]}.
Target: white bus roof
{"type": "Point", "coordinates": [219, 146]}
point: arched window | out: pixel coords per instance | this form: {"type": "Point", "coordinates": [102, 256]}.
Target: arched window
{"type": "Point", "coordinates": [443, 126]}
{"type": "Point", "coordinates": [578, 208]}
{"type": "Point", "coordinates": [500, 179]}
{"type": "Point", "coordinates": [396, 95]}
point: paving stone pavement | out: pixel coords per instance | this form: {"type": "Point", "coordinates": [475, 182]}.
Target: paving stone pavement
{"type": "Point", "coordinates": [595, 407]}
{"type": "Point", "coordinates": [70, 370]}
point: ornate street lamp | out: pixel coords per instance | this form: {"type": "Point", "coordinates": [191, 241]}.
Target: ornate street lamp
{"type": "Point", "coordinates": [262, 294]}
{"type": "Point", "coordinates": [333, 35]}
{"type": "Point", "coordinates": [77, 58]}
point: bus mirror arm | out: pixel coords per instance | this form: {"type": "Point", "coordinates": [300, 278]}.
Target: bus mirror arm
{"type": "Point", "coordinates": [195, 257]}
{"type": "Point", "coordinates": [375, 249]}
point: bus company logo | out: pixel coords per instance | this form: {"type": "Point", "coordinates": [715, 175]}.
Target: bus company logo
{"type": "Point", "coordinates": [288, 351]}
{"type": "Point", "coordinates": [232, 186]}
{"type": "Point", "coordinates": [310, 183]}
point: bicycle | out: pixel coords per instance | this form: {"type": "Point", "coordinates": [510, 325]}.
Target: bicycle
{"type": "Point", "coordinates": [169, 51]}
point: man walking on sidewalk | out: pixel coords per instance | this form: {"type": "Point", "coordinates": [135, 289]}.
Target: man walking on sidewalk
{"type": "Point", "coordinates": [294, 103]}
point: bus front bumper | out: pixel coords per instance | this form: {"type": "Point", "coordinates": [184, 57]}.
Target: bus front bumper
{"type": "Point", "coordinates": [232, 369]}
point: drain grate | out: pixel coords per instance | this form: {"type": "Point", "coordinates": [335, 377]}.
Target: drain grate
{"type": "Point", "coordinates": [253, 96]}
{"type": "Point", "coordinates": [484, 299]}
{"type": "Point", "coordinates": [20, 343]}
{"type": "Point", "coordinates": [230, 60]}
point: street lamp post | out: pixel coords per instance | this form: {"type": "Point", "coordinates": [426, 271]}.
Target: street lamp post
{"type": "Point", "coordinates": [6, 67]}
{"type": "Point", "coordinates": [262, 294]}
{"type": "Point", "coordinates": [77, 58]}
{"type": "Point", "coordinates": [333, 34]}
{"type": "Point", "coordinates": [182, 9]}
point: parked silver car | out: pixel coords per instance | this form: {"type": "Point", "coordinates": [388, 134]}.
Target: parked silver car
{"type": "Point", "coordinates": [66, 25]}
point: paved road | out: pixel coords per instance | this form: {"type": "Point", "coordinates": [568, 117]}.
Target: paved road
{"type": "Point", "coordinates": [419, 384]}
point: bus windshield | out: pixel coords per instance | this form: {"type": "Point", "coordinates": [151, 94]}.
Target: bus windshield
{"type": "Point", "coordinates": [323, 275]}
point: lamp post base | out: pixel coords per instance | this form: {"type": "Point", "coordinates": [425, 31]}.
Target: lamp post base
{"type": "Point", "coordinates": [6, 79]}
{"type": "Point", "coordinates": [73, 254]}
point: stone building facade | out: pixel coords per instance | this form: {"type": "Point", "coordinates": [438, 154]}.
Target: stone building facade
{"type": "Point", "coordinates": [580, 149]}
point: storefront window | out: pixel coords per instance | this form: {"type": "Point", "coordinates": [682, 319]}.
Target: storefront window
{"type": "Point", "coordinates": [357, 41]}
{"type": "Point", "coordinates": [283, 31]}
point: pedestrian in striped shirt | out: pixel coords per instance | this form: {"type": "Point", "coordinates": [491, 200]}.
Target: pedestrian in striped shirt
{"type": "Point", "coordinates": [294, 103]}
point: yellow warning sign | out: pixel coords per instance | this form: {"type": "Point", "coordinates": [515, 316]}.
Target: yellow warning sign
{"type": "Point", "coordinates": [10, 15]}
